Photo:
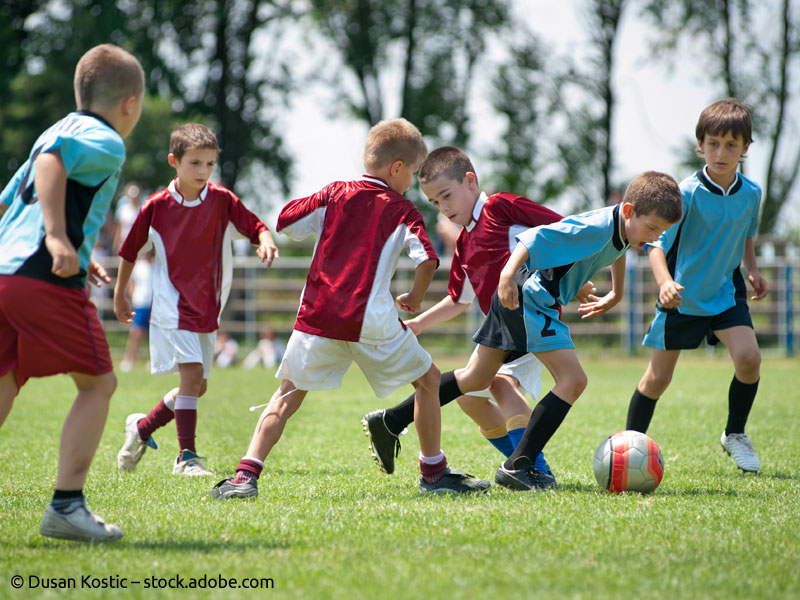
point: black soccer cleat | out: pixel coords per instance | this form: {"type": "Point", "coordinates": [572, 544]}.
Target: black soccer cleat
{"type": "Point", "coordinates": [227, 489]}
{"type": "Point", "coordinates": [454, 482]}
{"type": "Point", "coordinates": [525, 478]}
{"type": "Point", "coordinates": [384, 444]}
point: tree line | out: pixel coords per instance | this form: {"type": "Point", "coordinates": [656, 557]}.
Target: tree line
{"type": "Point", "coordinates": [232, 65]}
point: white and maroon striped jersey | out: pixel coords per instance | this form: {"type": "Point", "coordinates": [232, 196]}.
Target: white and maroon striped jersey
{"type": "Point", "coordinates": [361, 227]}
{"type": "Point", "coordinates": [483, 246]}
{"type": "Point", "coordinates": [193, 255]}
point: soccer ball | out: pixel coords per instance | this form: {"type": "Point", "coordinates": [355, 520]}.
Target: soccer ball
{"type": "Point", "coordinates": [628, 461]}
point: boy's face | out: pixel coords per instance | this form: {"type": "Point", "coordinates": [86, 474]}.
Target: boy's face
{"type": "Point", "coordinates": [642, 229]}
{"type": "Point", "coordinates": [722, 154]}
{"type": "Point", "coordinates": [194, 170]}
{"type": "Point", "coordinates": [454, 199]}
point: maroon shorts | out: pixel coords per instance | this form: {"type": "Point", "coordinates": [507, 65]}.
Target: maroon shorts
{"type": "Point", "coordinates": [46, 329]}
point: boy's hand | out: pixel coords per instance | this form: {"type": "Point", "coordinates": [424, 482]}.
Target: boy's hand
{"type": "Point", "coordinates": [760, 286]}
{"type": "Point", "coordinates": [122, 309]}
{"type": "Point", "coordinates": [267, 253]}
{"type": "Point", "coordinates": [585, 293]}
{"type": "Point", "coordinates": [597, 306]}
{"type": "Point", "coordinates": [97, 275]}
{"type": "Point", "coordinates": [413, 325]}
{"type": "Point", "coordinates": [65, 258]}
{"type": "Point", "coordinates": [669, 294]}
{"type": "Point", "coordinates": [507, 291]}
{"type": "Point", "coordinates": [408, 304]}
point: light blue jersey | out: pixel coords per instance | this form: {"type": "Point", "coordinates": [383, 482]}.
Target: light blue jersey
{"type": "Point", "coordinates": [564, 256]}
{"type": "Point", "coordinates": [93, 154]}
{"type": "Point", "coordinates": [704, 249]}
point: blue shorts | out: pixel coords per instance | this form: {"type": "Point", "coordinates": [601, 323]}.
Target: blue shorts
{"type": "Point", "coordinates": [670, 330]}
{"type": "Point", "coordinates": [142, 317]}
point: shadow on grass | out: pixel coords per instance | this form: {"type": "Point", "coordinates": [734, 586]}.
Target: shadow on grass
{"type": "Point", "coordinates": [201, 546]}
{"type": "Point", "coordinates": [663, 491]}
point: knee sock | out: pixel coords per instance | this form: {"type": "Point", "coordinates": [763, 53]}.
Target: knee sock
{"type": "Point", "coordinates": [186, 421]}
{"type": "Point", "coordinates": [516, 427]}
{"type": "Point", "coordinates": [401, 416]}
{"type": "Point", "coordinates": [499, 438]}
{"type": "Point", "coordinates": [63, 500]}
{"type": "Point", "coordinates": [740, 401]}
{"type": "Point", "coordinates": [432, 468]}
{"type": "Point", "coordinates": [548, 415]}
{"type": "Point", "coordinates": [640, 412]}
{"type": "Point", "coordinates": [161, 414]}
{"type": "Point", "coordinates": [247, 469]}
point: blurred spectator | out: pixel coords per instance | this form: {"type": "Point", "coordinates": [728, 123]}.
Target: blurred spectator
{"type": "Point", "coordinates": [268, 352]}
{"type": "Point", "coordinates": [226, 350]}
{"type": "Point", "coordinates": [141, 290]}
{"type": "Point", "coordinates": [127, 207]}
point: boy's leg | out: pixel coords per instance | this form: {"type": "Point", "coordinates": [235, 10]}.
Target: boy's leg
{"type": "Point", "coordinates": [652, 385]}
{"type": "Point", "coordinates": [192, 385]}
{"type": "Point", "coordinates": [139, 430]}
{"type": "Point", "coordinates": [8, 391]}
{"type": "Point", "coordinates": [518, 471]}
{"type": "Point", "coordinates": [490, 421]}
{"type": "Point", "coordinates": [743, 348]}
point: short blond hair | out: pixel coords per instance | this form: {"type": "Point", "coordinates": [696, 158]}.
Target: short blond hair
{"type": "Point", "coordinates": [191, 136]}
{"type": "Point", "coordinates": [105, 75]}
{"type": "Point", "coordinates": [392, 140]}
{"type": "Point", "coordinates": [655, 193]}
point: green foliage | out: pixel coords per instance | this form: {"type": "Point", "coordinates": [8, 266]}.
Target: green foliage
{"type": "Point", "coordinates": [327, 524]}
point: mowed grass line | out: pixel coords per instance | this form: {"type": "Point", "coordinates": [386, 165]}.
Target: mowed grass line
{"type": "Point", "coordinates": [327, 524]}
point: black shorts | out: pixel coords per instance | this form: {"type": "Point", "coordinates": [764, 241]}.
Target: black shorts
{"type": "Point", "coordinates": [504, 329]}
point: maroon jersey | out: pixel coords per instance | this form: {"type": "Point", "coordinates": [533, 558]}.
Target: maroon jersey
{"type": "Point", "coordinates": [361, 227]}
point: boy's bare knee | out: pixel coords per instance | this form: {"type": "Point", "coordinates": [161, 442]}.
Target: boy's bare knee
{"type": "Point", "coordinates": [430, 380]}
{"type": "Point", "coordinates": [749, 362]}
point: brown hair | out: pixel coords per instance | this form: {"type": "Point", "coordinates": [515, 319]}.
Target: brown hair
{"type": "Point", "coordinates": [447, 161]}
{"type": "Point", "coordinates": [724, 116]}
{"type": "Point", "coordinates": [191, 136]}
{"type": "Point", "coordinates": [105, 75]}
{"type": "Point", "coordinates": [392, 140]}
{"type": "Point", "coordinates": [654, 192]}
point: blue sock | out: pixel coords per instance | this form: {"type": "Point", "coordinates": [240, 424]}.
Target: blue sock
{"type": "Point", "coordinates": [516, 435]}
{"type": "Point", "coordinates": [540, 463]}
{"type": "Point", "coordinates": [503, 444]}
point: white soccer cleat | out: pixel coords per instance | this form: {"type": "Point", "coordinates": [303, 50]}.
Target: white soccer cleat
{"type": "Point", "coordinates": [80, 524]}
{"type": "Point", "coordinates": [132, 450]}
{"type": "Point", "coordinates": [188, 463]}
{"type": "Point", "coordinates": [742, 450]}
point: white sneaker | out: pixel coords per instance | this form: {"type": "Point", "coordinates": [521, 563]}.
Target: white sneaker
{"type": "Point", "coordinates": [742, 450]}
{"type": "Point", "coordinates": [188, 463]}
{"type": "Point", "coordinates": [81, 524]}
{"type": "Point", "coordinates": [133, 448]}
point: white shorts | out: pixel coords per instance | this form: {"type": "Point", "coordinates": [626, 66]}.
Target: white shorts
{"type": "Point", "coordinates": [172, 347]}
{"type": "Point", "coordinates": [312, 362]}
{"type": "Point", "coordinates": [527, 370]}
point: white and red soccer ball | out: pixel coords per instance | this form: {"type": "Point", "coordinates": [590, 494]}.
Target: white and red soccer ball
{"type": "Point", "coordinates": [628, 461]}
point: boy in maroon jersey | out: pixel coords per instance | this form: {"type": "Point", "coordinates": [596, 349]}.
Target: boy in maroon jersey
{"type": "Point", "coordinates": [489, 225]}
{"type": "Point", "coordinates": [187, 225]}
{"type": "Point", "coordinates": [347, 312]}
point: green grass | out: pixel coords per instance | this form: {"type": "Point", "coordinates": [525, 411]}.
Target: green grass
{"type": "Point", "coordinates": [328, 525]}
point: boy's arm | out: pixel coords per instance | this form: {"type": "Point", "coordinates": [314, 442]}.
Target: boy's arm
{"type": "Point", "coordinates": [122, 308]}
{"type": "Point", "coordinates": [50, 181]}
{"type": "Point", "coordinates": [668, 289]}
{"type": "Point", "coordinates": [760, 286]}
{"type": "Point", "coordinates": [411, 301]}
{"type": "Point", "coordinates": [267, 250]}
{"type": "Point", "coordinates": [507, 290]}
{"type": "Point", "coordinates": [444, 310]}
{"type": "Point", "coordinates": [596, 305]}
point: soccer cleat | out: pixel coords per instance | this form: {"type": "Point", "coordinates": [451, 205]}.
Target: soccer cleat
{"type": "Point", "coordinates": [454, 482]}
{"type": "Point", "coordinates": [188, 463]}
{"type": "Point", "coordinates": [132, 450]}
{"type": "Point", "coordinates": [525, 478]}
{"type": "Point", "coordinates": [226, 489]}
{"type": "Point", "coordinates": [384, 444]}
{"type": "Point", "coordinates": [742, 450]}
{"type": "Point", "coordinates": [79, 524]}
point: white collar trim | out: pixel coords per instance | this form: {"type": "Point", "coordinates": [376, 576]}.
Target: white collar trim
{"type": "Point", "coordinates": [179, 197]}
{"type": "Point", "coordinates": [476, 211]}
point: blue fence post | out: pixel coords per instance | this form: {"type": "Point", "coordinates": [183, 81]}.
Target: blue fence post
{"type": "Point", "coordinates": [788, 273]}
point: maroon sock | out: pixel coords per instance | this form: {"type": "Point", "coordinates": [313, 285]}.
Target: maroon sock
{"type": "Point", "coordinates": [158, 417]}
{"type": "Point", "coordinates": [247, 470]}
{"type": "Point", "coordinates": [433, 473]}
{"type": "Point", "coordinates": [186, 425]}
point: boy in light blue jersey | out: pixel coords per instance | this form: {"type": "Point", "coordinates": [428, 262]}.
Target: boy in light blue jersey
{"type": "Point", "coordinates": [54, 207]}
{"type": "Point", "coordinates": [702, 293]}
{"type": "Point", "coordinates": [562, 257]}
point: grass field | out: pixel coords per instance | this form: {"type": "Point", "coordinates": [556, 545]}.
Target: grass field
{"type": "Point", "coordinates": [328, 525]}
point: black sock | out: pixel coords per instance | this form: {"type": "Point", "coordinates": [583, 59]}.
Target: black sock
{"type": "Point", "coordinates": [546, 419]}
{"type": "Point", "coordinates": [640, 412]}
{"type": "Point", "coordinates": [740, 401]}
{"type": "Point", "coordinates": [401, 416]}
{"type": "Point", "coordinates": [64, 498]}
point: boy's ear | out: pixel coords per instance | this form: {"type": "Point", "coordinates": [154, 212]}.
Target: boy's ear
{"type": "Point", "coordinates": [128, 104]}
{"type": "Point", "coordinates": [173, 162]}
{"type": "Point", "coordinates": [395, 168]}
{"type": "Point", "coordinates": [472, 179]}
{"type": "Point", "coordinates": [627, 210]}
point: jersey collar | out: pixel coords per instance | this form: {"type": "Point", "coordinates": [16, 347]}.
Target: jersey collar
{"type": "Point", "coordinates": [703, 176]}
{"type": "Point", "coordinates": [375, 180]}
{"type": "Point", "coordinates": [619, 243]}
{"type": "Point", "coordinates": [89, 113]}
{"type": "Point", "coordinates": [179, 197]}
{"type": "Point", "coordinates": [476, 211]}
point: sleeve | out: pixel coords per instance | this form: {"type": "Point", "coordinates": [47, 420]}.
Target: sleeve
{"type": "Point", "coordinates": [90, 157]}
{"type": "Point", "coordinates": [458, 286]}
{"type": "Point", "coordinates": [304, 216]}
{"type": "Point", "coordinates": [563, 243]}
{"type": "Point", "coordinates": [139, 233]}
{"type": "Point", "coordinates": [753, 228]}
{"type": "Point", "coordinates": [518, 210]}
{"type": "Point", "coordinates": [417, 244]}
{"type": "Point", "coordinates": [245, 221]}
